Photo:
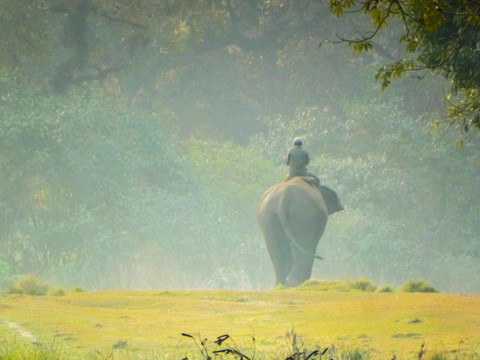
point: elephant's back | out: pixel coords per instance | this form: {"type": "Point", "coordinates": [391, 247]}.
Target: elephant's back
{"type": "Point", "coordinates": [268, 201]}
{"type": "Point", "coordinates": [295, 194]}
{"type": "Point", "coordinates": [271, 197]}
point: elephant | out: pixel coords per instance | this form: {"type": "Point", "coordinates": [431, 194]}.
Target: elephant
{"type": "Point", "coordinates": [292, 216]}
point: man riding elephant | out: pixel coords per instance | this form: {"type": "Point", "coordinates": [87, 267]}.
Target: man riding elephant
{"type": "Point", "coordinates": [292, 216]}
{"type": "Point", "coordinates": [297, 160]}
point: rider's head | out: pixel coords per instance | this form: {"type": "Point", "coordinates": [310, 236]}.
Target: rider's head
{"type": "Point", "coordinates": [297, 141]}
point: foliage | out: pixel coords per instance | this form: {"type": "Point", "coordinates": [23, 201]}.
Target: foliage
{"type": "Point", "coordinates": [383, 168]}
{"type": "Point", "coordinates": [346, 285]}
{"type": "Point", "coordinates": [387, 289]}
{"type": "Point", "coordinates": [325, 285]}
{"type": "Point", "coordinates": [418, 286]}
{"type": "Point", "coordinates": [66, 163]}
{"type": "Point", "coordinates": [103, 185]}
{"type": "Point", "coordinates": [76, 289]}
{"type": "Point", "coordinates": [161, 53]}
{"type": "Point", "coordinates": [225, 346]}
{"type": "Point", "coordinates": [230, 180]}
{"type": "Point", "coordinates": [441, 35]}
{"type": "Point", "coordinates": [13, 350]}
{"type": "Point", "coordinates": [100, 194]}
{"type": "Point", "coordinates": [103, 194]}
{"type": "Point", "coordinates": [297, 351]}
{"type": "Point", "coordinates": [217, 67]}
{"type": "Point", "coordinates": [51, 351]}
{"type": "Point", "coordinates": [22, 39]}
{"type": "Point", "coordinates": [4, 272]}
{"type": "Point", "coordinates": [55, 291]}
{"type": "Point", "coordinates": [28, 284]}
{"type": "Point", "coordinates": [362, 285]}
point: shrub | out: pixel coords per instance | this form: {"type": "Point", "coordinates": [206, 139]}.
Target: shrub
{"type": "Point", "coordinates": [28, 284]}
{"type": "Point", "coordinates": [418, 286]}
{"type": "Point", "coordinates": [362, 285]}
{"type": "Point", "coordinates": [56, 291]}
{"type": "Point", "coordinates": [77, 289]}
{"type": "Point", "coordinates": [325, 285]}
{"type": "Point", "coordinates": [439, 356]}
{"type": "Point", "coordinates": [335, 285]}
{"type": "Point", "coordinates": [387, 289]}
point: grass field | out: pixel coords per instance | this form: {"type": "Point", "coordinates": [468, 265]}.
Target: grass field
{"type": "Point", "coordinates": [149, 324]}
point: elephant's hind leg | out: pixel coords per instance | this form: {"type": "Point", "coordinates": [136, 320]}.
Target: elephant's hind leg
{"type": "Point", "coordinates": [301, 272]}
{"type": "Point", "coordinates": [283, 265]}
{"type": "Point", "coordinates": [303, 260]}
{"type": "Point", "coordinates": [278, 247]}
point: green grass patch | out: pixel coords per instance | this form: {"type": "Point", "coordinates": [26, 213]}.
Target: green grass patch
{"type": "Point", "coordinates": [15, 350]}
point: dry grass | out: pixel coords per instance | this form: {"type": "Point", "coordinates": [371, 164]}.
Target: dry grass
{"type": "Point", "coordinates": [147, 322]}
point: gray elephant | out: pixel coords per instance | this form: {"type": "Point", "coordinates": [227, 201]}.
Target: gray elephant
{"type": "Point", "coordinates": [292, 216]}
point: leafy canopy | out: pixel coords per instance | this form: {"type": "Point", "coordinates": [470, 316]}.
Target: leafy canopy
{"type": "Point", "coordinates": [442, 36]}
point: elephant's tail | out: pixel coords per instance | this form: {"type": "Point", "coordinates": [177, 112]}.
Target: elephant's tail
{"type": "Point", "coordinates": [282, 216]}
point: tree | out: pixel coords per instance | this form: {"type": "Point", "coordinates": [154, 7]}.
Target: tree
{"type": "Point", "coordinates": [441, 36]}
{"type": "Point", "coordinates": [217, 67]}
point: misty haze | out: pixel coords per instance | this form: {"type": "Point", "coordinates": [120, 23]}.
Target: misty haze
{"type": "Point", "coordinates": [136, 141]}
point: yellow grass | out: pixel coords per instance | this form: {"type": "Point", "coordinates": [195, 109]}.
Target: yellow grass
{"type": "Point", "coordinates": [153, 321]}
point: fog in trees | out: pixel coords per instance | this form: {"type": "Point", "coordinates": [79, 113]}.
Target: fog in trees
{"type": "Point", "coordinates": [134, 150]}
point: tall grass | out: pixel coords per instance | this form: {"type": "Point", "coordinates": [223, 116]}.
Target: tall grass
{"type": "Point", "coordinates": [14, 350]}
{"type": "Point", "coordinates": [223, 348]}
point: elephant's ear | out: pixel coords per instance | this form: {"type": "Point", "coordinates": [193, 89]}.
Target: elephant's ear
{"type": "Point", "coordinates": [331, 200]}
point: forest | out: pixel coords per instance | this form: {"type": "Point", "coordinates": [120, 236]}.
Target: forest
{"type": "Point", "coordinates": [138, 136]}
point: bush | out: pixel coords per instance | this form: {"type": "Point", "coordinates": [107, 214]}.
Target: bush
{"type": "Point", "coordinates": [335, 285]}
{"type": "Point", "coordinates": [439, 356]}
{"type": "Point", "coordinates": [76, 289]}
{"type": "Point", "coordinates": [325, 285]}
{"type": "Point", "coordinates": [362, 285]}
{"type": "Point", "coordinates": [418, 286]}
{"type": "Point", "coordinates": [387, 289]}
{"type": "Point", "coordinates": [28, 284]}
{"type": "Point", "coordinates": [56, 291]}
